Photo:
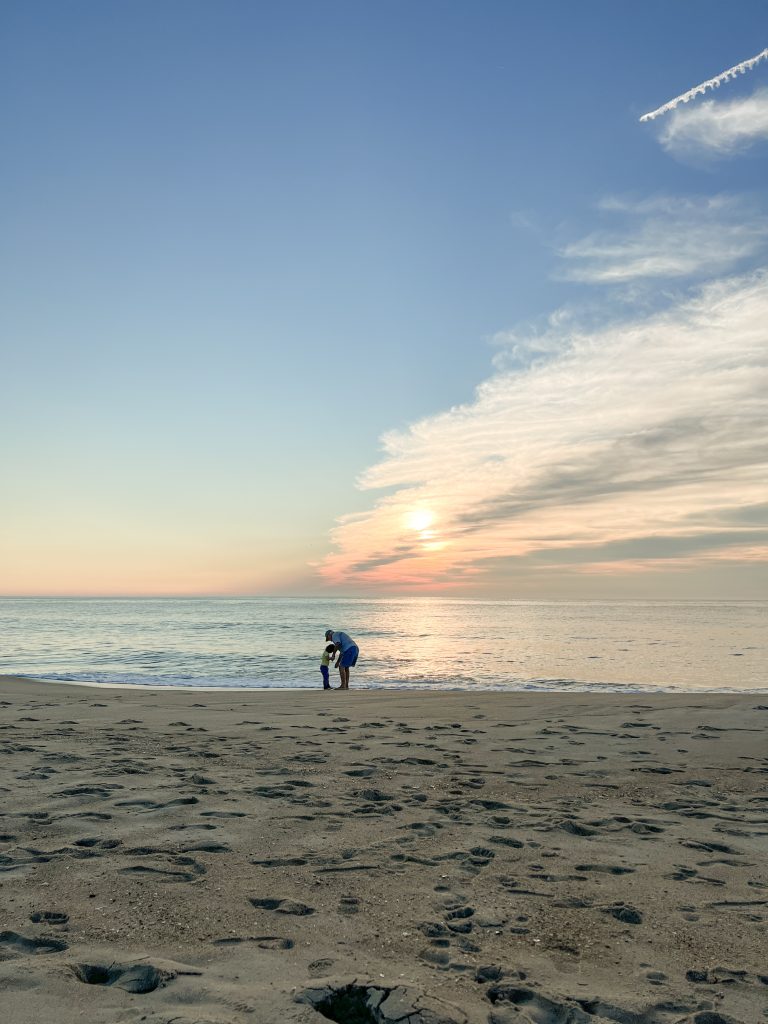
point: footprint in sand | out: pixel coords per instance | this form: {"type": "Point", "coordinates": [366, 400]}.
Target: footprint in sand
{"type": "Point", "coordinates": [103, 844]}
{"type": "Point", "coordinates": [320, 967]}
{"type": "Point", "coordinates": [190, 869]}
{"type": "Point", "coordinates": [137, 978]}
{"type": "Point", "coordinates": [262, 941]}
{"type": "Point", "coordinates": [457, 918]}
{"type": "Point", "coordinates": [200, 825]}
{"type": "Point", "coordinates": [280, 862]}
{"type": "Point", "coordinates": [283, 906]}
{"type": "Point", "coordinates": [434, 957]}
{"type": "Point", "coordinates": [625, 913]}
{"type": "Point", "coordinates": [606, 869]}
{"type": "Point", "coordinates": [49, 917]}
{"type": "Point", "coordinates": [353, 1002]}
{"type": "Point", "coordinates": [11, 943]}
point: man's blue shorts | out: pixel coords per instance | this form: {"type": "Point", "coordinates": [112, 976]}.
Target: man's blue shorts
{"type": "Point", "coordinates": [349, 657]}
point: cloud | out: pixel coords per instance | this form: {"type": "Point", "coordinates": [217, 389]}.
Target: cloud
{"type": "Point", "coordinates": [637, 445]}
{"type": "Point", "coordinates": [678, 238]}
{"type": "Point", "coordinates": [718, 129]}
{"type": "Point", "coordinates": [711, 83]}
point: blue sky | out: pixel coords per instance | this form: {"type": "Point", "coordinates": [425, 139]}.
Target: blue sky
{"type": "Point", "coordinates": [242, 242]}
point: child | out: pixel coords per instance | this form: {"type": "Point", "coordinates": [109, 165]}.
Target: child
{"type": "Point", "coordinates": [326, 660]}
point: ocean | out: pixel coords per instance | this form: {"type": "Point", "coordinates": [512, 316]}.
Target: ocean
{"type": "Point", "coordinates": [432, 643]}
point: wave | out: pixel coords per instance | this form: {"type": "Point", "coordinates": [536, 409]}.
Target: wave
{"type": "Point", "coordinates": [135, 681]}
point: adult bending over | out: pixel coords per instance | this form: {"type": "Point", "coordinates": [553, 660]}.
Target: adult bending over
{"type": "Point", "coordinates": [347, 653]}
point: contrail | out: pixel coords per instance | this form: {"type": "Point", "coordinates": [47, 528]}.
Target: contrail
{"type": "Point", "coordinates": [712, 83]}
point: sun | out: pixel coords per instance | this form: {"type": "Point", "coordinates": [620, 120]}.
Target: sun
{"type": "Point", "coordinates": [419, 519]}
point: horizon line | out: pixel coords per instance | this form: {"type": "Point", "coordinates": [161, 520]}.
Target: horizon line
{"type": "Point", "coordinates": [396, 597]}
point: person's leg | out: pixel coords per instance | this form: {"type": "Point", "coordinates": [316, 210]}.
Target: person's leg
{"type": "Point", "coordinates": [326, 681]}
{"type": "Point", "coordinates": [351, 662]}
{"type": "Point", "coordinates": [348, 659]}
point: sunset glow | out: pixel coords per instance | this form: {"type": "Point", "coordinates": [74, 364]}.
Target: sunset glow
{"type": "Point", "coordinates": [316, 306]}
{"type": "Point", "coordinates": [606, 473]}
{"type": "Point", "coordinates": [420, 520]}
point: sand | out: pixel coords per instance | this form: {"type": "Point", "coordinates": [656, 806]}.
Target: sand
{"type": "Point", "coordinates": [191, 857]}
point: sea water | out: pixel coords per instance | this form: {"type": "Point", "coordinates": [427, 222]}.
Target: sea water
{"type": "Point", "coordinates": [420, 642]}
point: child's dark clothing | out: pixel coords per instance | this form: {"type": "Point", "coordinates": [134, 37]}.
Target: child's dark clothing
{"type": "Point", "coordinates": [325, 662]}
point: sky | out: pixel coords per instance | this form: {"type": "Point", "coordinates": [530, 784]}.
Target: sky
{"type": "Point", "coordinates": [343, 298]}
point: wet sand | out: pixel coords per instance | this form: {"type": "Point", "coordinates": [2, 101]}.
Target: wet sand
{"type": "Point", "coordinates": [233, 857]}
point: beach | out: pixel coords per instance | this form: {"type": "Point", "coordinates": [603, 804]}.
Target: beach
{"type": "Point", "coordinates": [226, 857]}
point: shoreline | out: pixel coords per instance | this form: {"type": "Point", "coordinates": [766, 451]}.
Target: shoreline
{"type": "Point", "coordinates": [490, 856]}
{"type": "Point", "coordinates": [575, 688]}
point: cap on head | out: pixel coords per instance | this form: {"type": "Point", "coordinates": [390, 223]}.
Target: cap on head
{"type": "Point", "coordinates": [328, 634]}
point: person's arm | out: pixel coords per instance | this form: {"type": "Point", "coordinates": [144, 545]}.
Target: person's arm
{"type": "Point", "coordinates": [338, 655]}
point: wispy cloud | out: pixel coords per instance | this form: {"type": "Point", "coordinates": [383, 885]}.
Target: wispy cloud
{"type": "Point", "coordinates": [718, 129]}
{"type": "Point", "coordinates": [645, 442]}
{"type": "Point", "coordinates": [711, 83]}
{"type": "Point", "coordinates": [677, 238]}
